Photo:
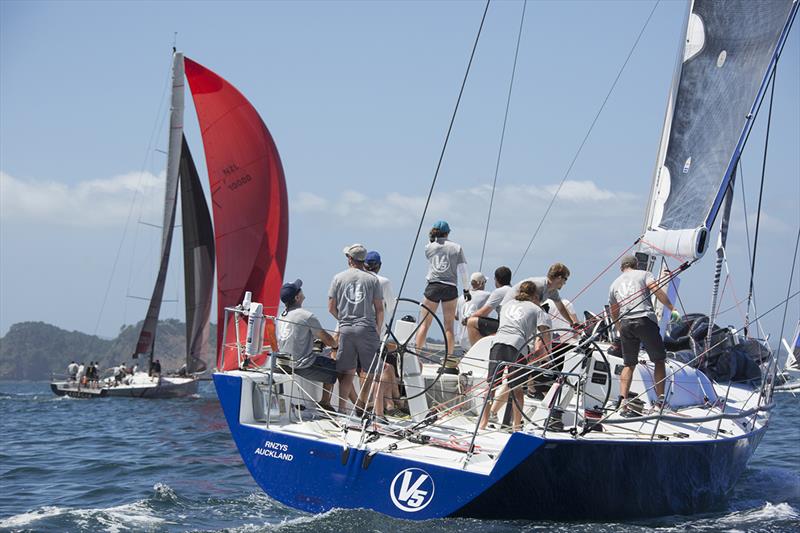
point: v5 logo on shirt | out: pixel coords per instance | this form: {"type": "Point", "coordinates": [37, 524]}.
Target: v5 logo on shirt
{"type": "Point", "coordinates": [412, 490]}
{"type": "Point", "coordinates": [440, 263]}
{"type": "Point", "coordinates": [354, 293]}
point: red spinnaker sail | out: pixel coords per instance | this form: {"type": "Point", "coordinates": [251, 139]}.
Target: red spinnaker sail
{"type": "Point", "coordinates": [248, 192]}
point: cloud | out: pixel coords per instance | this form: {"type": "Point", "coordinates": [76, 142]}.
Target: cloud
{"type": "Point", "coordinates": [86, 204]}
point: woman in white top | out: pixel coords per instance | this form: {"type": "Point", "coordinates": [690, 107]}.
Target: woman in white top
{"type": "Point", "coordinates": [446, 262]}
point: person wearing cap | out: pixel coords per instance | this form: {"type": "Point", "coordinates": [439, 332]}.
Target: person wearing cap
{"type": "Point", "coordinates": [480, 324]}
{"type": "Point", "coordinates": [634, 317]}
{"type": "Point", "coordinates": [389, 387]}
{"type": "Point", "coordinates": [296, 329]}
{"type": "Point", "coordinates": [355, 299]}
{"type": "Point", "coordinates": [446, 262]}
{"type": "Point", "coordinates": [372, 263]}
{"type": "Point", "coordinates": [465, 308]}
{"type": "Point", "coordinates": [548, 287]}
{"type": "Point", "coordinates": [521, 322]}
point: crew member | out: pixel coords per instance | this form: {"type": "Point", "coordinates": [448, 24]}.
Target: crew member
{"type": "Point", "coordinates": [446, 262]}
{"type": "Point", "coordinates": [356, 301]}
{"type": "Point", "coordinates": [296, 330]}
{"type": "Point", "coordinates": [632, 312]}
{"type": "Point", "coordinates": [480, 324]}
{"type": "Point", "coordinates": [466, 308]}
{"type": "Point", "coordinates": [548, 287]}
{"type": "Point", "coordinates": [521, 321]}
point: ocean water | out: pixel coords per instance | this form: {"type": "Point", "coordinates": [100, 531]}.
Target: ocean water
{"type": "Point", "coordinates": [123, 464]}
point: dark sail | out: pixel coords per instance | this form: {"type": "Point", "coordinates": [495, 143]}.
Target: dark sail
{"type": "Point", "coordinates": [198, 262]}
{"type": "Point", "coordinates": [728, 52]}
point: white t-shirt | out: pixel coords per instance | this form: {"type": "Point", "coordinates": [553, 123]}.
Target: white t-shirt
{"type": "Point", "coordinates": [557, 321]}
{"type": "Point", "coordinates": [497, 297]}
{"type": "Point", "coordinates": [464, 310]}
{"type": "Point", "coordinates": [388, 296]}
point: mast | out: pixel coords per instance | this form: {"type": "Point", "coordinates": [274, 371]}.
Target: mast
{"type": "Point", "coordinates": [146, 340]}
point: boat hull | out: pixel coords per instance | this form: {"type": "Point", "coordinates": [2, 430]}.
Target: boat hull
{"type": "Point", "coordinates": [166, 388]}
{"type": "Point", "coordinates": [533, 478]}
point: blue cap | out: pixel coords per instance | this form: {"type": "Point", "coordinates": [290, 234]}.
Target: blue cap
{"type": "Point", "coordinates": [442, 226]}
{"type": "Point", "coordinates": [373, 258]}
{"type": "Point", "coordinates": [289, 291]}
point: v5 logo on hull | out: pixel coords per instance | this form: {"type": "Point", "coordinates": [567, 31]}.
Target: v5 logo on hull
{"type": "Point", "coordinates": [412, 490]}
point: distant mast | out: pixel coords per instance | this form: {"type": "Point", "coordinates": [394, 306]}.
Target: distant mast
{"type": "Point", "coordinates": [146, 342]}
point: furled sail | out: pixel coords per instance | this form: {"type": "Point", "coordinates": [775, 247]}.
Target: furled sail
{"type": "Point", "coordinates": [144, 345]}
{"type": "Point", "coordinates": [728, 53]}
{"type": "Point", "coordinates": [198, 262]}
{"type": "Point", "coordinates": [248, 192]}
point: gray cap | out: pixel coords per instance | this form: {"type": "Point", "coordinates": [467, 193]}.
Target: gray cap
{"type": "Point", "coordinates": [629, 261]}
{"type": "Point", "coordinates": [356, 252]}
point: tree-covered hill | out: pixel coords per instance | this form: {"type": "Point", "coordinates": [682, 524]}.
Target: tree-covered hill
{"type": "Point", "coordinates": [35, 350]}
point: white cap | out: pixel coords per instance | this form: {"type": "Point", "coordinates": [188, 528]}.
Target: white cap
{"type": "Point", "coordinates": [478, 276]}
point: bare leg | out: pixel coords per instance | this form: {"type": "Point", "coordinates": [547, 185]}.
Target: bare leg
{"type": "Point", "coordinates": [660, 375]}
{"type": "Point", "coordinates": [501, 399]}
{"type": "Point", "coordinates": [362, 396]}
{"type": "Point", "coordinates": [472, 330]}
{"type": "Point", "coordinates": [327, 388]}
{"type": "Point", "coordinates": [449, 312]}
{"type": "Point", "coordinates": [387, 387]}
{"type": "Point", "coordinates": [518, 404]}
{"type": "Point", "coordinates": [625, 381]}
{"type": "Point", "coordinates": [345, 389]}
{"type": "Point", "coordinates": [425, 322]}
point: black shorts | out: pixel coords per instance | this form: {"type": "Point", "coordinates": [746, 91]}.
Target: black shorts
{"type": "Point", "coordinates": [487, 326]}
{"type": "Point", "coordinates": [636, 331]}
{"type": "Point", "coordinates": [509, 354]}
{"type": "Point", "coordinates": [322, 369]}
{"type": "Point", "coordinates": [440, 292]}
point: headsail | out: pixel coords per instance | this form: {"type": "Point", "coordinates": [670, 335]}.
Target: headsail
{"type": "Point", "coordinates": [147, 335]}
{"type": "Point", "coordinates": [248, 192]}
{"type": "Point", "coordinates": [729, 50]}
{"type": "Point", "coordinates": [198, 262]}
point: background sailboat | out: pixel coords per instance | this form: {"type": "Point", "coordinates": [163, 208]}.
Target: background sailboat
{"type": "Point", "coordinates": [198, 258]}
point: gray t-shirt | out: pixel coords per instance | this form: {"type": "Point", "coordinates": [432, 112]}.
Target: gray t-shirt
{"type": "Point", "coordinates": [496, 298]}
{"type": "Point", "coordinates": [518, 323]}
{"type": "Point", "coordinates": [631, 293]}
{"type": "Point", "coordinates": [443, 259]}
{"type": "Point", "coordinates": [355, 291]}
{"type": "Point", "coordinates": [296, 331]}
{"type": "Point", "coordinates": [541, 285]}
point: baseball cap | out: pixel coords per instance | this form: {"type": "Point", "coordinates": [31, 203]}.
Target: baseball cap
{"type": "Point", "coordinates": [478, 276]}
{"type": "Point", "coordinates": [290, 290]}
{"type": "Point", "coordinates": [373, 258]}
{"type": "Point", "coordinates": [356, 252]}
{"type": "Point", "coordinates": [442, 226]}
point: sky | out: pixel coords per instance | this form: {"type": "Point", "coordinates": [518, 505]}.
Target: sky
{"type": "Point", "coordinates": [358, 96]}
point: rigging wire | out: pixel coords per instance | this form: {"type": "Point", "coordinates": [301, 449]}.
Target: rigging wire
{"type": "Point", "coordinates": [502, 135]}
{"type": "Point", "coordinates": [788, 292]}
{"type": "Point", "coordinates": [586, 136]}
{"type": "Point", "coordinates": [760, 196]}
{"type": "Point", "coordinates": [441, 158]}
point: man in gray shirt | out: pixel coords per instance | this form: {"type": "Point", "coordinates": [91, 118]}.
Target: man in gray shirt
{"type": "Point", "coordinates": [634, 317]}
{"type": "Point", "coordinates": [355, 299]}
{"type": "Point", "coordinates": [296, 330]}
{"type": "Point", "coordinates": [480, 324]}
{"type": "Point", "coordinates": [548, 287]}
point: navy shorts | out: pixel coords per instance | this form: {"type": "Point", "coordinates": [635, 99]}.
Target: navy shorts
{"type": "Point", "coordinates": [487, 326]}
{"type": "Point", "coordinates": [634, 332]}
{"type": "Point", "coordinates": [322, 369]}
{"type": "Point", "coordinates": [440, 292]}
{"type": "Point", "coordinates": [509, 354]}
{"type": "Point", "coordinates": [358, 345]}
